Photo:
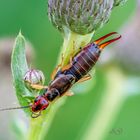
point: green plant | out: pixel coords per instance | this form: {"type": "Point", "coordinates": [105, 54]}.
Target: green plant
{"type": "Point", "coordinates": [76, 32]}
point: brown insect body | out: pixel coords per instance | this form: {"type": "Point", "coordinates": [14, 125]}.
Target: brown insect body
{"type": "Point", "coordinates": [81, 64]}
{"type": "Point", "coordinates": [59, 86]}
{"type": "Point", "coordinates": [84, 61]}
{"type": "Point", "coordinates": [79, 67]}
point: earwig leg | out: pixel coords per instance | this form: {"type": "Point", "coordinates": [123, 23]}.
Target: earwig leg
{"type": "Point", "coordinates": [69, 93]}
{"type": "Point", "coordinates": [85, 78]}
{"type": "Point", "coordinates": [70, 61]}
{"type": "Point", "coordinates": [35, 115]}
{"type": "Point", "coordinates": [72, 53]}
{"type": "Point", "coordinates": [73, 48]}
{"type": "Point", "coordinates": [38, 87]}
{"type": "Point", "coordinates": [56, 69]}
{"type": "Point", "coordinates": [67, 66]}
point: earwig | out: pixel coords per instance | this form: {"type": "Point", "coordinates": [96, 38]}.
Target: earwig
{"type": "Point", "coordinates": [76, 71]}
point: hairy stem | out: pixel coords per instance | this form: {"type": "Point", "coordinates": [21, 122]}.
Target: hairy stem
{"type": "Point", "coordinates": [72, 44]}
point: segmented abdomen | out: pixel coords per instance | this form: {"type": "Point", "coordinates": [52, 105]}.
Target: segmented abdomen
{"type": "Point", "coordinates": [84, 61]}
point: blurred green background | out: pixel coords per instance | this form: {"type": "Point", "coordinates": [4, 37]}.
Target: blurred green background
{"type": "Point", "coordinates": [119, 67]}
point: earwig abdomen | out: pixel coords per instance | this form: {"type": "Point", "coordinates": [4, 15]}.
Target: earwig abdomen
{"type": "Point", "coordinates": [84, 61]}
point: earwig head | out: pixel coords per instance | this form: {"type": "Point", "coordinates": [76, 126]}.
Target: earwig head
{"type": "Point", "coordinates": [40, 103]}
{"type": "Point", "coordinates": [103, 45]}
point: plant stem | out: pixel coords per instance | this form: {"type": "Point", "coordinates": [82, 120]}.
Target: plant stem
{"type": "Point", "coordinates": [40, 126]}
{"type": "Point", "coordinates": [72, 44]}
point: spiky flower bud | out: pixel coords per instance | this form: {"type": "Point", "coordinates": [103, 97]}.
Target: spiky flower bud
{"type": "Point", "coordinates": [119, 2]}
{"type": "Point", "coordinates": [80, 16]}
{"type": "Point", "coordinates": [33, 77]}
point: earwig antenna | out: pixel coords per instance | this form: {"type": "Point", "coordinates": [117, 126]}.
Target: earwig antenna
{"type": "Point", "coordinates": [12, 108]}
{"type": "Point", "coordinates": [103, 45]}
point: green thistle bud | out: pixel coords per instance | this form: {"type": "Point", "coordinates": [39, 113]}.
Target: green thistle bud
{"type": "Point", "coordinates": [80, 16]}
{"type": "Point", "coordinates": [119, 2]}
{"type": "Point", "coordinates": [33, 77]}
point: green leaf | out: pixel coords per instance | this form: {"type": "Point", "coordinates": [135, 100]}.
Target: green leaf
{"type": "Point", "coordinates": [19, 68]}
